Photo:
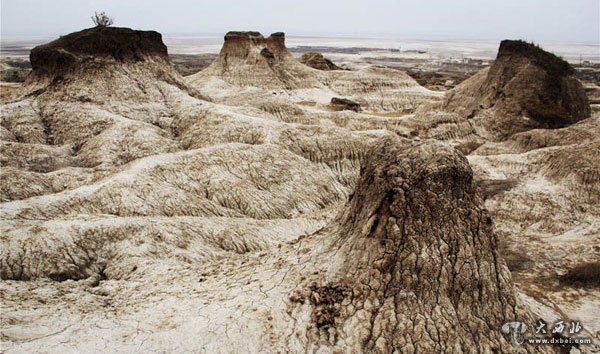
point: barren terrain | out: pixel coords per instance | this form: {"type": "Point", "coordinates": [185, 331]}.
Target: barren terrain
{"type": "Point", "coordinates": [264, 204]}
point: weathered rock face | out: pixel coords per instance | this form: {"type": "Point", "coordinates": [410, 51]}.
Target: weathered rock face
{"type": "Point", "coordinates": [110, 57]}
{"type": "Point", "coordinates": [414, 260]}
{"type": "Point", "coordinates": [318, 61]}
{"type": "Point", "coordinates": [540, 181]}
{"type": "Point", "coordinates": [524, 81]}
{"type": "Point", "coordinates": [239, 45]}
{"type": "Point", "coordinates": [249, 59]}
{"type": "Point", "coordinates": [105, 113]}
{"type": "Point", "coordinates": [121, 44]}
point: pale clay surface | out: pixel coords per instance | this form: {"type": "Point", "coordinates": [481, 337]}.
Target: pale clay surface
{"type": "Point", "coordinates": [234, 211]}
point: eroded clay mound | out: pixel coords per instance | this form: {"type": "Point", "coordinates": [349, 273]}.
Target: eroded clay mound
{"type": "Point", "coordinates": [249, 59]}
{"type": "Point", "coordinates": [94, 97]}
{"type": "Point", "coordinates": [108, 112]}
{"type": "Point", "coordinates": [122, 44]}
{"type": "Point", "coordinates": [526, 88]}
{"type": "Point", "coordinates": [239, 45]}
{"type": "Point", "coordinates": [318, 61]}
{"type": "Point", "coordinates": [413, 260]}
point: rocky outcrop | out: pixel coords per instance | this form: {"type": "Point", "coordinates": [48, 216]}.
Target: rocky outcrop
{"type": "Point", "coordinates": [249, 59]}
{"type": "Point", "coordinates": [239, 45]}
{"type": "Point", "coordinates": [120, 44]}
{"type": "Point", "coordinates": [341, 104]}
{"type": "Point", "coordinates": [317, 61]}
{"type": "Point", "coordinates": [14, 70]}
{"type": "Point", "coordinates": [107, 56]}
{"type": "Point", "coordinates": [413, 258]}
{"type": "Point", "coordinates": [408, 265]}
{"type": "Point", "coordinates": [525, 88]}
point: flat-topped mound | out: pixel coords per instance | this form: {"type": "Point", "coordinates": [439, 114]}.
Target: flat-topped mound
{"type": "Point", "coordinates": [121, 44]}
{"type": "Point", "coordinates": [250, 59]}
{"type": "Point", "coordinates": [244, 39]}
{"type": "Point", "coordinates": [239, 44]}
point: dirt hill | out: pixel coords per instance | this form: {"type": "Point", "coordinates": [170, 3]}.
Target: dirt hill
{"type": "Point", "coordinates": [318, 61]}
{"type": "Point", "coordinates": [525, 88]}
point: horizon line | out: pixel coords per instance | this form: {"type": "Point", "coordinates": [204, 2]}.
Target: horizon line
{"type": "Point", "coordinates": [341, 35]}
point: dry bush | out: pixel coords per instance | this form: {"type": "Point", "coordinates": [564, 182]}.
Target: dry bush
{"type": "Point", "coordinates": [102, 19]}
{"type": "Point", "coordinates": [583, 275]}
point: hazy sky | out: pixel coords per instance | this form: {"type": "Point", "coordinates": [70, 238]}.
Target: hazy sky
{"type": "Point", "coordinates": [540, 20]}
